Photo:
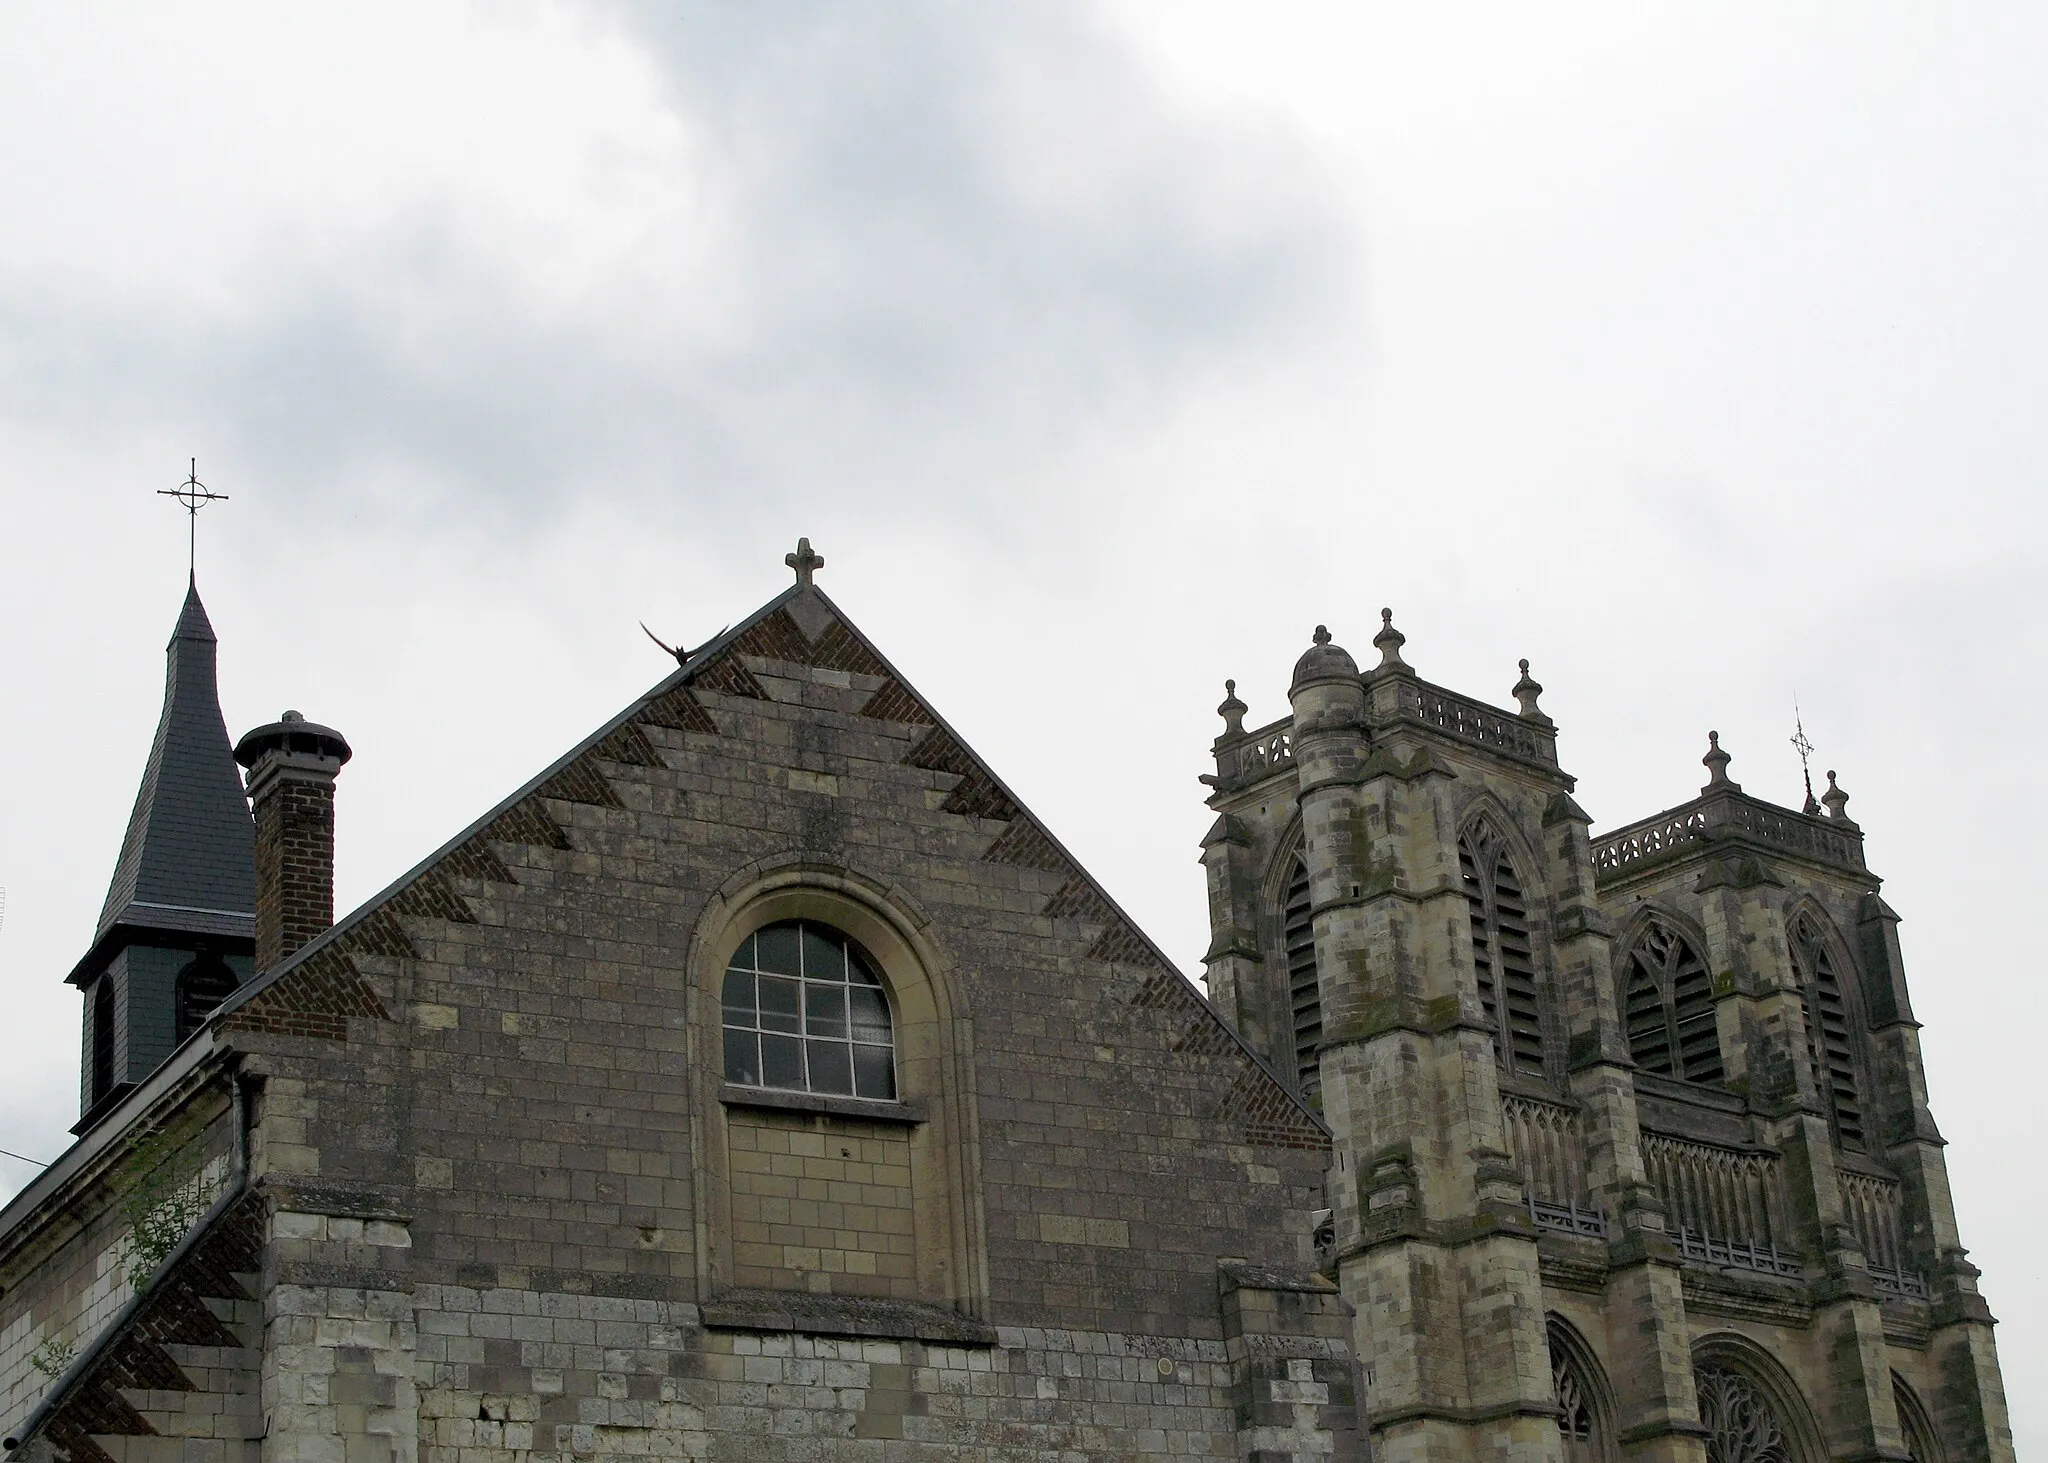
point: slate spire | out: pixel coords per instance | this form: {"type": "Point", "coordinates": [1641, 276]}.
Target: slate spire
{"type": "Point", "coordinates": [178, 926]}
{"type": "Point", "coordinates": [188, 862]}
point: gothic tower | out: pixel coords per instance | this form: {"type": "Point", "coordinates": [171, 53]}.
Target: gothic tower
{"type": "Point", "coordinates": [177, 932]}
{"type": "Point", "coordinates": [1632, 1149]}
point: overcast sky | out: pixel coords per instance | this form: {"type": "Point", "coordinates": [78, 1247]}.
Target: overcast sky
{"type": "Point", "coordinates": [1695, 354]}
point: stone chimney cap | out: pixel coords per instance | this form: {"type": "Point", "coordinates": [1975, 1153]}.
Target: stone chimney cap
{"type": "Point", "coordinates": [292, 733]}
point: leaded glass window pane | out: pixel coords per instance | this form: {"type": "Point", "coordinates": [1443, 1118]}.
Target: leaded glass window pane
{"type": "Point", "coordinates": [804, 1011]}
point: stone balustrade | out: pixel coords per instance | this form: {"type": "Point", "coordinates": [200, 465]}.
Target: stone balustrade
{"type": "Point", "coordinates": [1726, 814]}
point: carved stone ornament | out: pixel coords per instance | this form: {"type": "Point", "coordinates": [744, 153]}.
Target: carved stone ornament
{"type": "Point", "coordinates": [1574, 1412]}
{"type": "Point", "coordinates": [1742, 1426]}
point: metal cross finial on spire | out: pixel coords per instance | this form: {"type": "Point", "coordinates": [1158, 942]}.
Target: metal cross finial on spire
{"type": "Point", "coordinates": [804, 561]}
{"type": "Point", "coordinates": [1805, 750]}
{"type": "Point", "coordinates": [194, 495]}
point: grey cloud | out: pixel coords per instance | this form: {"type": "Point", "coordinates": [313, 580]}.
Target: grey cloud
{"type": "Point", "coordinates": [921, 306]}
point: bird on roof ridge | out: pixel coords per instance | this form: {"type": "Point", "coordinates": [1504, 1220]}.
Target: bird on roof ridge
{"type": "Point", "coordinates": [683, 657]}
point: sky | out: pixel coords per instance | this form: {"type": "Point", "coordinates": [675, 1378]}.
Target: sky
{"type": "Point", "coordinates": [1692, 352]}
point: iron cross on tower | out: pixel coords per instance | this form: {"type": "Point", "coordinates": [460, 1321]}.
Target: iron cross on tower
{"type": "Point", "coordinates": [1805, 750]}
{"type": "Point", "coordinates": [194, 495]}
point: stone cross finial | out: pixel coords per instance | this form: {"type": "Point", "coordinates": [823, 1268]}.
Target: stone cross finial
{"type": "Point", "coordinates": [804, 561]}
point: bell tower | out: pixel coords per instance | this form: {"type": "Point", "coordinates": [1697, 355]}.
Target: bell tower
{"type": "Point", "coordinates": [177, 933]}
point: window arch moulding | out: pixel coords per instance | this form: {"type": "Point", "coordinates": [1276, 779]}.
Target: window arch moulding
{"type": "Point", "coordinates": [920, 1242]}
{"type": "Point", "coordinates": [1752, 1409]}
{"type": "Point", "coordinates": [1584, 1400]}
{"type": "Point", "coordinates": [1916, 1428]}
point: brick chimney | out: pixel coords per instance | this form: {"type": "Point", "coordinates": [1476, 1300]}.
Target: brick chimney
{"type": "Point", "coordinates": [292, 765]}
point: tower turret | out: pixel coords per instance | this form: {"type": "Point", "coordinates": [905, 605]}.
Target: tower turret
{"type": "Point", "coordinates": [177, 931]}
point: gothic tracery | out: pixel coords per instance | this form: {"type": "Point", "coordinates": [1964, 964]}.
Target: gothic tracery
{"type": "Point", "coordinates": [1578, 1419]}
{"type": "Point", "coordinates": [1742, 1426]}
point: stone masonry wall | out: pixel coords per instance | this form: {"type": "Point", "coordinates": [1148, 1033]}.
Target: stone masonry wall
{"type": "Point", "coordinates": [65, 1277]}
{"type": "Point", "coordinates": [529, 1377]}
{"type": "Point", "coordinates": [531, 1107]}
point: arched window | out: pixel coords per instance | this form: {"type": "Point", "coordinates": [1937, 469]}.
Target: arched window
{"type": "Point", "coordinates": [1669, 1007]}
{"type": "Point", "coordinates": [1828, 1044]}
{"type": "Point", "coordinates": [1304, 996]}
{"type": "Point", "coordinates": [202, 985]}
{"type": "Point", "coordinates": [1581, 1415]}
{"type": "Point", "coordinates": [1914, 1425]}
{"type": "Point", "coordinates": [1501, 948]}
{"type": "Point", "coordinates": [1742, 1425]}
{"type": "Point", "coordinates": [804, 1011]}
{"type": "Point", "coordinates": [102, 1037]}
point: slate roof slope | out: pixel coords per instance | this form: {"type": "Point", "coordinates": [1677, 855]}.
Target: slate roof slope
{"type": "Point", "coordinates": [329, 989]}
{"type": "Point", "coordinates": [188, 862]}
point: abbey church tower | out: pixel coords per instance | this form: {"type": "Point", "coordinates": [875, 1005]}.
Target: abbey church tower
{"type": "Point", "coordinates": [1632, 1152]}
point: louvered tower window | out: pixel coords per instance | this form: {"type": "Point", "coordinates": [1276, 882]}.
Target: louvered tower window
{"type": "Point", "coordinates": [1501, 949]}
{"type": "Point", "coordinates": [1828, 1045]}
{"type": "Point", "coordinates": [1670, 1009]}
{"type": "Point", "coordinates": [1304, 996]}
{"type": "Point", "coordinates": [201, 986]}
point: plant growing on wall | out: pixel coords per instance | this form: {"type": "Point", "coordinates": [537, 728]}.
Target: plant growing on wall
{"type": "Point", "coordinates": [161, 1209]}
{"type": "Point", "coordinates": [52, 1357]}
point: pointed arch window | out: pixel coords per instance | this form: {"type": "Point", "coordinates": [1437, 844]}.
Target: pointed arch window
{"type": "Point", "coordinates": [1581, 1422]}
{"type": "Point", "coordinates": [1501, 948]}
{"type": "Point", "coordinates": [1921, 1444]}
{"type": "Point", "coordinates": [1830, 1048]}
{"type": "Point", "coordinates": [1668, 1003]}
{"type": "Point", "coordinates": [1742, 1425]}
{"type": "Point", "coordinates": [1304, 995]}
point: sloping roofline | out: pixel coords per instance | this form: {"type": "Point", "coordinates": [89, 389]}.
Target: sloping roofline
{"type": "Point", "coordinates": [201, 1040]}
